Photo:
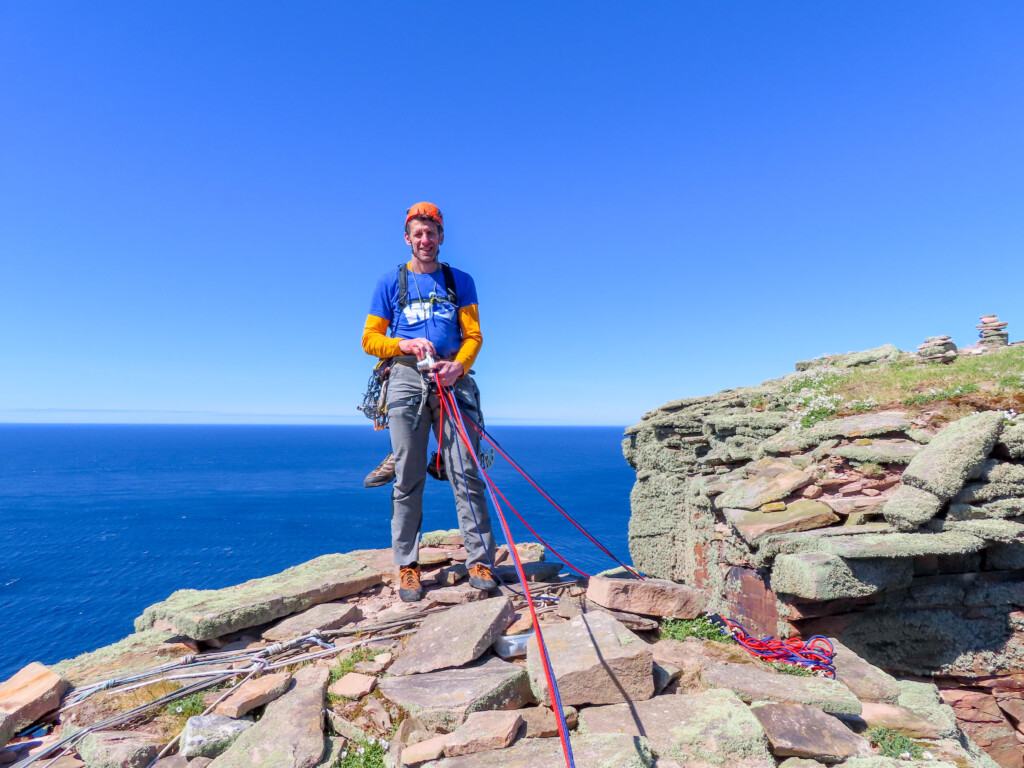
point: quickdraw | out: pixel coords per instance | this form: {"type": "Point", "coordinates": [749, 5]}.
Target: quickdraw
{"type": "Point", "coordinates": [374, 405]}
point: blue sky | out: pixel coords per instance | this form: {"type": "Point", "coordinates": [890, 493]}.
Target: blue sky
{"type": "Point", "coordinates": [656, 200]}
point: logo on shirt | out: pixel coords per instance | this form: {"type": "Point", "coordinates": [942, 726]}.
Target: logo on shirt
{"type": "Point", "coordinates": [434, 306]}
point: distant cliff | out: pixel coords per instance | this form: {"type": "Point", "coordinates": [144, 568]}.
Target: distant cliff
{"type": "Point", "coordinates": [877, 497]}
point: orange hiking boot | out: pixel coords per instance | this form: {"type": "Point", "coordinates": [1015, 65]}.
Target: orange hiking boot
{"type": "Point", "coordinates": [480, 578]}
{"type": "Point", "coordinates": [409, 589]}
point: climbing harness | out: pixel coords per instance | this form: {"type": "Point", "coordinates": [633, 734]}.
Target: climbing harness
{"type": "Point", "coordinates": [374, 404]}
{"type": "Point", "coordinates": [814, 654]}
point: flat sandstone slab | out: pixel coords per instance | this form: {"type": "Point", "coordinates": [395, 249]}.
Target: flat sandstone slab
{"type": "Point", "coordinates": [867, 682]}
{"type": "Point", "coordinates": [322, 616]}
{"type": "Point", "coordinates": [291, 731]}
{"type": "Point", "coordinates": [803, 515]}
{"type": "Point", "coordinates": [594, 659]}
{"type": "Point", "coordinates": [798, 730]}
{"type": "Point", "coordinates": [752, 684]}
{"type": "Point", "coordinates": [254, 693]}
{"type": "Point", "coordinates": [455, 637]}
{"type": "Point", "coordinates": [689, 727]}
{"type": "Point", "coordinates": [206, 614]}
{"type": "Point", "coordinates": [604, 750]}
{"type": "Point", "coordinates": [771, 480]}
{"type": "Point", "coordinates": [28, 695]}
{"type": "Point", "coordinates": [442, 700]}
{"type": "Point", "coordinates": [651, 597]}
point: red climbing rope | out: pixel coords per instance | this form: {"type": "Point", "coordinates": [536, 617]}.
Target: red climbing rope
{"type": "Point", "coordinates": [455, 418]}
{"type": "Point", "coordinates": [814, 654]}
{"type": "Point", "coordinates": [483, 433]}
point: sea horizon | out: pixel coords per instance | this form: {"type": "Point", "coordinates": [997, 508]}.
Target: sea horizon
{"type": "Point", "coordinates": [103, 520]}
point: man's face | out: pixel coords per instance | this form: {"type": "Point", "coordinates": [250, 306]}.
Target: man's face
{"type": "Point", "coordinates": [425, 240]}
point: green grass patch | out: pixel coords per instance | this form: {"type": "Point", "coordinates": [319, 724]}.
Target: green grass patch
{"type": "Point", "coordinates": [892, 743]}
{"type": "Point", "coordinates": [701, 628]}
{"type": "Point", "coordinates": [190, 706]}
{"type": "Point", "coordinates": [790, 669]}
{"type": "Point", "coordinates": [348, 663]}
{"type": "Point", "coordinates": [869, 469]}
{"type": "Point", "coordinates": [912, 384]}
{"type": "Point", "coordinates": [934, 395]}
{"type": "Point", "coordinates": [361, 756]}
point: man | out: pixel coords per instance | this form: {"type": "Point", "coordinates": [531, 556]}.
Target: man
{"type": "Point", "coordinates": [435, 315]}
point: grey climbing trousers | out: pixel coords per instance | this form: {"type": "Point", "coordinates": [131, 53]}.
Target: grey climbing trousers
{"type": "Point", "coordinates": [411, 421]}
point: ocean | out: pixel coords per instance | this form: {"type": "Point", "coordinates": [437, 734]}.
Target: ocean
{"type": "Point", "coordinates": [100, 521]}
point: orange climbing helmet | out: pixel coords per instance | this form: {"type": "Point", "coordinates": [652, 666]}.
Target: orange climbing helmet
{"type": "Point", "coordinates": [425, 209]}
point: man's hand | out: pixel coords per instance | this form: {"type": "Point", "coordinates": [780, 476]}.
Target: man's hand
{"type": "Point", "coordinates": [448, 371]}
{"type": "Point", "coordinates": [419, 347]}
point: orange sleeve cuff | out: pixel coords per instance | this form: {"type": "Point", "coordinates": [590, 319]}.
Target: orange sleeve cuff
{"type": "Point", "coordinates": [472, 338]}
{"type": "Point", "coordinates": [376, 341]}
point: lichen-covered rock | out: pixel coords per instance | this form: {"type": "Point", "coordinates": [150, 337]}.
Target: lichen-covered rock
{"type": "Point", "coordinates": [117, 749]}
{"type": "Point", "coordinates": [821, 576]}
{"type": "Point", "coordinates": [594, 659]}
{"type": "Point", "coordinates": [1011, 443]}
{"type": "Point", "coordinates": [600, 750]}
{"type": "Point", "coordinates": [849, 543]}
{"type": "Point", "coordinates": [210, 735]}
{"type": "Point", "coordinates": [924, 700]}
{"type": "Point", "coordinates": [956, 454]}
{"type": "Point", "coordinates": [999, 481]}
{"type": "Point", "coordinates": [206, 614]}
{"type": "Point", "coordinates": [142, 650]}
{"type": "Point", "coordinates": [880, 452]}
{"type": "Point", "coordinates": [897, 718]}
{"type": "Point", "coordinates": [1000, 509]}
{"type": "Point", "coordinates": [910, 508]}
{"type": "Point", "coordinates": [709, 728]}
{"type": "Point", "coordinates": [987, 529]}
{"type": "Point", "coordinates": [752, 684]}
{"type": "Point", "coordinates": [891, 762]}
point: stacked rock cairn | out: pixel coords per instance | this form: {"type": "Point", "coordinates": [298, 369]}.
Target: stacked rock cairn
{"type": "Point", "coordinates": [937, 349]}
{"type": "Point", "coordinates": [993, 333]}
